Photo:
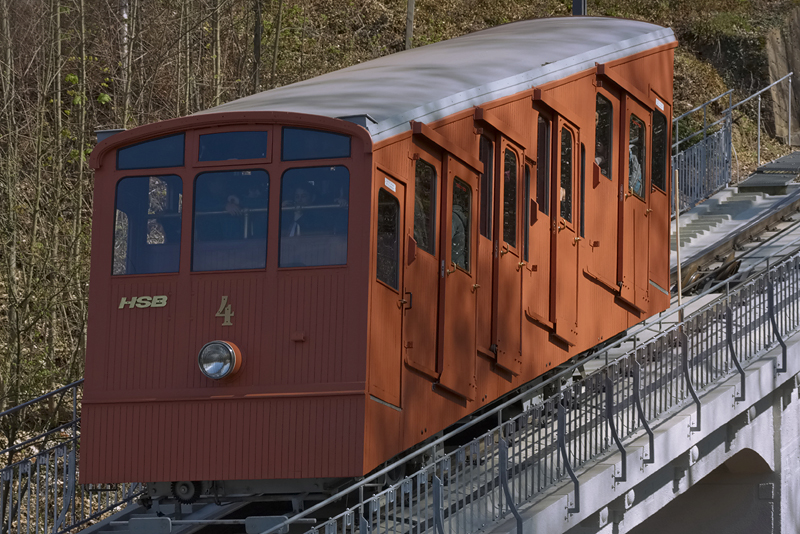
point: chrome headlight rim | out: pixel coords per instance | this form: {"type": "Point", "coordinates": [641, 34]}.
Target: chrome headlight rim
{"type": "Point", "coordinates": [235, 357]}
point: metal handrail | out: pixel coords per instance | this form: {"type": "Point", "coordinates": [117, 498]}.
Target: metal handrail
{"type": "Point", "coordinates": [41, 398]}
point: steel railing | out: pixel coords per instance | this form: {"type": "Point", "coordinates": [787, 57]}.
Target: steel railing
{"type": "Point", "coordinates": [466, 488]}
{"type": "Point", "coordinates": [39, 492]}
{"type": "Point", "coordinates": [704, 168]}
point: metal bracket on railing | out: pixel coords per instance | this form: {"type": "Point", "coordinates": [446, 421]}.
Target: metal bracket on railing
{"type": "Point", "coordinates": [610, 418]}
{"type": "Point", "coordinates": [732, 351]}
{"type": "Point", "coordinates": [562, 446]}
{"type": "Point", "coordinates": [685, 364]}
{"type": "Point", "coordinates": [504, 482]}
{"type": "Point", "coordinates": [437, 505]}
{"type": "Point", "coordinates": [771, 307]}
{"type": "Point", "coordinates": [637, 398]}
{"type": "Point", "coordinates": [363, 525]}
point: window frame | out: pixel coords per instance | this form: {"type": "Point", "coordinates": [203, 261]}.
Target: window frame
{"type": "Point", "coordinates": [544, 169]}
{"type": "Point", "coordinates": [611, 136]}
{"type": "Point", "coordinates": [193, 146]}
{"type": "Point", "coordinates": [285, 127]}
{"type": "Point", "coordinates": [434, 207]}
{"type": "Point", "coordinates": [508, 146]}
{"type": "Point", "coordinates": [631, 115]}
{"type": "Point", "coordinates": [399, 242]}
{"type": "Point", "coordinates": [467, 230]}
{"type": "Point", "coordinates": [184, 157]}
{"type": "Point", "coordinates": [563, 124]}
{"type": "Point", "coordinates": [665, 166]}
{"type": "Point", "coordinates": [114, 223]}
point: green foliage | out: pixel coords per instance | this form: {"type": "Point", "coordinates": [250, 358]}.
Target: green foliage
{"type": "Point", "coordinates": [104, 98]}
{"type": "Point", "coordinates": [71, 78]}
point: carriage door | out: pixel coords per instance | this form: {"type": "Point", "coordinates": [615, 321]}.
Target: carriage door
{"type": "Point", "coordinates": [387, 299]}
{"type": "Point", "coordinates": [634, 229]}
{"type": "Point", "coordinates": [422, 266]}
{"type": "Point", "coordinates": [659, 197]}
{"type": "Point", "coordinates": [508, 260]}
{"type": "Point", "coordinates": [536, 276]}
{"type": "Point", "coordinates": [564, 266]}
{"type": "Point", "coordinates": [457, 279]}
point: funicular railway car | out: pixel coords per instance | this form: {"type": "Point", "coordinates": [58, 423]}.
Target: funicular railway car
{"type": "Point", "coordinates": [294, 287]}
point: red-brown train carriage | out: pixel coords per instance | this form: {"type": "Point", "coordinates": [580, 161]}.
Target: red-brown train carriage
{"type": "Point", "coordinates": [362, 259]}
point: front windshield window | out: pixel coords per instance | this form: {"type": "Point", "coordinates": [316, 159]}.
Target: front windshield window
{"type": "Point", "coordinates": [230, 220]}
{"type": "Point", "coordinates": [314, 210]}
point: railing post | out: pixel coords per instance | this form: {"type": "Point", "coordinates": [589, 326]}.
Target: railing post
{"type": "Point", "coordinates": [562, 446]}
{"type": "Point", "coordinates": [771, 309]}
{"type": "Point", "coordinates": [759, 130]}
{"type": "Point", "coordinates": [610, 418]}
{"type": "Point", "coordinates": [732, 351]}
{"type": "Point", "coordinates": [637, 398]}
{"type": "Point", "coordinates": [685, 363]}
{"type": "Point", "coordinates": [437, 505]}
{"type": "Point", "coordinates": [504, 482]}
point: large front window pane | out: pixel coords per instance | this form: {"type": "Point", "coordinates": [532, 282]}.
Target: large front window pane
{"type": "Point", "coordinates": [314, 209]}
{"type": "Point", "coordinates": [147, 226]}
{"type": "Point", "coordinates": [230, 220]}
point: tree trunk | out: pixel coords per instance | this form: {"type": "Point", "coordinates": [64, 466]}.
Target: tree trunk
{"type": "Point", "coordinates": [257, 46]}
{"type": "Point", "coordinates": [278, 21]}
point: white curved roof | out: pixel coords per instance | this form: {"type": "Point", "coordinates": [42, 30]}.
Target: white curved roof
{"type": "Point", "coordinates": [433, 81]}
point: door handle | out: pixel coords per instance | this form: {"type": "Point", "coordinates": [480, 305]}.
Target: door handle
{"type": "Point", "coordinates": [562, 226]}
{"type": "Point", "coordinates": [475, 287]}
{"type": "Point", "coordinates": [451, 271]}
{"type": "Point", "coordinates": [647, 211]}
{"type": "Point", "coordinates": [520, 265]}
{"type": "Point", "coordinates": [504, 250]}
{"type": "Point", "coordinates": [575, 240]}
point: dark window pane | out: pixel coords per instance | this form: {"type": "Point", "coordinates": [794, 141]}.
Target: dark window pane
{"type": "Point", "coordinates": [543, 167]}
{"type": "Point", "coordinates": [425, 206]}
{"type": "Point", "coordinates": [147, 228]}
{"type": "Point", "coordinates": [487, 186]}
{"type": "Point", "coordinates": [527, 225]}
{"type": "Point", "coordinates": [462, 202]}
{"type": "Point", "coordinates": [162, 152]}
{"type": "Point", "coordinates": [636, 155]}
{"type": "Point", "coordinates": [659, 163]}
{"type": "Point", "coordinates": [604, 135]}
{"type": "Point", "coordinates": [230, 220]}
{"type": "Point", "coordinates": [583, 189]}
{"type": "Point", "coordinates": [510, 199]}
{"type": "Point", "coordinates": [299, 143]}
{"type": "Point", "coordinates": [233, 145]}
{"type": "Point", "coordinates": [566, 175]}
{"type": "Point", "coordinates": [388, 238]}
{"type": "Point", "coordinates": [314, 209]}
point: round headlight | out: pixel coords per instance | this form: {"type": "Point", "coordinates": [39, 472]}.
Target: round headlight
{"type": "Point", "coordinates": [219, 359]}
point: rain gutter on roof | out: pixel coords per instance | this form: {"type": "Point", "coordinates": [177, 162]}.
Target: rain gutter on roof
{"type": "Point", "coordinates": [557, 70]}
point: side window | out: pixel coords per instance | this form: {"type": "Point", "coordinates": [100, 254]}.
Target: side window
{"type": "Point", "coordinates": [462, 202]}
{"type": "Point", "coordinates": [566, 175]}
{"type": "Point", "coordinates": [543, 166]}
{"type": "Point", "coordinates": [314, 211]}
{"type": "Point", "coordinates": [147, 226]}
{"type": "Point", "coordinates": [230, 220]}
{"type": "Point", "coordinates": [487, 187]}
{"type": "Point", "coordinates": [604, 135]}
{"type": "Point", "coordinates": [388, 239]}
{"type": "Point", "coordinates": [527, 225]}
{"type": "Point", "coordinates": [636, 155]}
{"type": "Point", "coordinates": [510, 199]}
{"type": "Point", "coordinates": [425, 206]}
{"type": "Point", "coordinates": [658, 169]}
